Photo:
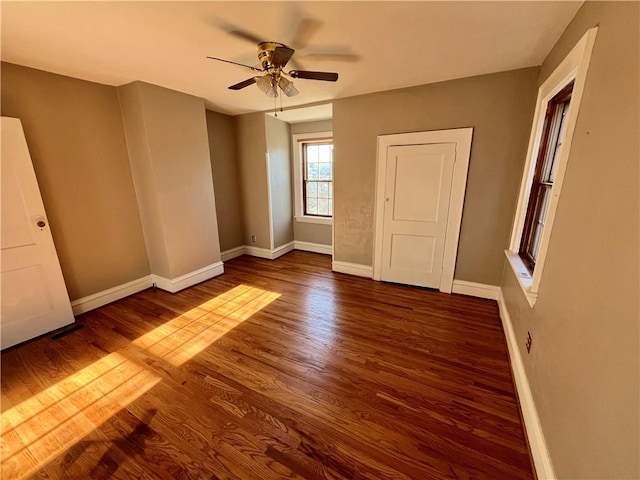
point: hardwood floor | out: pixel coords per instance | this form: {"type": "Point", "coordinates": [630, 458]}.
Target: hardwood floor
{"type": "Point", "coordinates": [276, 369]}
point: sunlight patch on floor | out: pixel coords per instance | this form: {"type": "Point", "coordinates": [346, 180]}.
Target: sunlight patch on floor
{"type": "Point", "coordinates": [182, 338]}
{"type": "Point", "coordinates": [50, 422]}
{"type": "Point", "coordinates": [47, 424]}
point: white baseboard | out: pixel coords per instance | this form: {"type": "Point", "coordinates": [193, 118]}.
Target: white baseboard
{"type": "Point", "coordinates": [352, 269]}
{"type": "Point", "coordinates": [174, 285]}
{"type": "Point", "coordinates": [99, 299]}
{"type": "Point", "coordinates": [258, 252]}
{"type": "Point", "coordinates": [533, 428]}
{"type": "Point", "coordinates": [281, 250]}
{"type": "Point", "coordinates": [313, 247]}
{"type": "Point", "coordinates": [233, 253]}
{"type": "Point", "coordinates": [480, 290]}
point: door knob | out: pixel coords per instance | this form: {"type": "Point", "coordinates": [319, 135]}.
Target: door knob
{"type": "Point", "coordinates": [41, 223]}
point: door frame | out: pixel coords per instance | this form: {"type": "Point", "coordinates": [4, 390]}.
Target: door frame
{"type": "Point", "coordinates": [462, 138]}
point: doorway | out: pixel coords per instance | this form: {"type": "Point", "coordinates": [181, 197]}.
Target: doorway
{"type": "Point", "coordinates": [421, 180]}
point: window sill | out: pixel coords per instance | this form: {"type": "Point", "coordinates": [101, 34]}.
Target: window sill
{"type": "Point", "coordinates": [522, 274]}
{"type": "Point", "coordinates": [318, 220]}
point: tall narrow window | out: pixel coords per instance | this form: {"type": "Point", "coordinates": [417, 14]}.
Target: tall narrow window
{"type": "Point", "coordinates": [544, 174]}
{"type": "Point", "coordinates": [317, 181]}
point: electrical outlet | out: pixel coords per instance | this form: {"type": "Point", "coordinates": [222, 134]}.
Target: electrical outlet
{"type": "Point", "coordinates": [529, 342]}
{"type": "Point", "coordinates": [253, 239]}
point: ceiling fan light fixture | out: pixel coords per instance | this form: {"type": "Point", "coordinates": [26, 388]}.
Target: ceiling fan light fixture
{"type": "Point", "coordinates": [287, 87]}
{"type": "Point", "coordinates": [267, 86]}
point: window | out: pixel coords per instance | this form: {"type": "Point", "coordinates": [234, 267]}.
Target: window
{"type": "Point", "coordinates": [313, 177]}
{"type": "Point", "coordinates": [317, 185]}
{"type": "Point", "coordinates": [554, 122]}
{"type": "Point", "coordinates": [545, 171]}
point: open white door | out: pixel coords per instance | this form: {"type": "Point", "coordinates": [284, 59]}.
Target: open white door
{"type": "Point", "coordinates": [34, 298]}
{"type": "Point", "coordinates": [418, 186]}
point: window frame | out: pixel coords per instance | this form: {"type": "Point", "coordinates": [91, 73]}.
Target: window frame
{"type": "Point", "coordinates": [574, 69]}
{"type": "Point", "coordinates": [539, 182]}
{"type": "Point", "coordinates": [298, 140]}
{"type": "Point", "coordinates": [305, 180]}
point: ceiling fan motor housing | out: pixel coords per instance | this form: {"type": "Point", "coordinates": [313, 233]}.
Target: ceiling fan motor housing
{"type": "Point", "coordinates": [265, 54]}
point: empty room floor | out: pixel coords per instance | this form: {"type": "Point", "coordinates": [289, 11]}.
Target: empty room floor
{"type": "Point", "coordinates": [276, 369]}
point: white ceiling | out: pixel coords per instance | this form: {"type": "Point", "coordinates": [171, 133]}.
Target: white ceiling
{"type": "Point", "coordinates": [304, 114]}
{"type": "Point", "coordinates": [399, 44]}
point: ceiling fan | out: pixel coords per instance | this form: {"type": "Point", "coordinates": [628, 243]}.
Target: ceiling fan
{"type": "Point", "coordinates": [273, 57]}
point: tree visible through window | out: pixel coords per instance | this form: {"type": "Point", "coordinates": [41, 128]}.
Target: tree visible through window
{"type": "Point", "coordinates": [544, 175]}
{"type": "Point", "coordinates": [317, 188]}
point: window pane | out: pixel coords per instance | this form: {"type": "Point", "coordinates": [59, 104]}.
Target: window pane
{"type": "Point", "coordinates": [312, 171]}
{"type": "Point", "coordinates": [323, 190]}
{"type": "Point", "coordinates": [537, 236]}
{"type": "Point", "coordinates": [324, 152]}
{"type": "Point", "coordinates": [312, 152]}
{"type": "Point", "coordinates": [312, 189]}
{"type": "Point", "coordinates": [545, 194]}
{"type": "Point", "coordinates": [324, 171]}
{"type": "Point", "coordinates": [312, 206]}
{"type": "Point", "coordinates": [563, 124]}
{"type": "Point", "coordinates": [331, 190]}
{"type": "Point", "coordinates": [323, 207]}
{"type": "Point", "coordinates": [330, 207]}
{"type": "Point", "coordinates": [542, 206]}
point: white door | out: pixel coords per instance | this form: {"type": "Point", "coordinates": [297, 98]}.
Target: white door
{"type": "Point", "coordinates": [417, 192]}
{"type": "Point", "coordinates": [34, 299]}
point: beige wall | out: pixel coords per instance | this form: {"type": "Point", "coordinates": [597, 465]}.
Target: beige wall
{"type": "Point", "coordinates": [279, 149]}
{"type": "Point", "coordinates": [76, 139]}
{"type": "Point", "coordinates": [312, 127]}
{"type": "Point", "coordinates": [252, 149]}
{"type": "Point", "coordinates": [498, 106]}
{"type": "Point", "coordinates": [312, 232]}
{"type": "Point", "coordinates": [169, 152]}
{"type": "Point", "coordinates": [226, 178]}
{"type": "Point", "coordinates": [584, 365]}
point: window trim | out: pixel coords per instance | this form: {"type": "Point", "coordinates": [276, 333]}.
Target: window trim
{"type": "Point", "coordinates": [542, 157]}
{"type": "Point", "coordinates": [572, 69]}
{"type": "Point", "coordinates": [298, 140]}
{"type": "Point", "coordinates": [305, 180]}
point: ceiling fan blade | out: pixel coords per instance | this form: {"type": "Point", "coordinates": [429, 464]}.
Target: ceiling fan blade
{"type": "Point", "coordinates": [238, 32]}
{"type": "Point", "coordinates": [325, 76]}
{"type": "Point", "coordinates": [236, 63]}
{"type": "Point", "coordinates": [294, 64]}
{"type": "Point", "coordinates": [335, 57]}
{"type": "Point", "coordinates": [246, 83]}
{"type": "Point", "coordinates": [307, 27]}
{"type": "Point", "coordinates": [281, 56]}
{"type": "Point", "coordinates": [337, 53]}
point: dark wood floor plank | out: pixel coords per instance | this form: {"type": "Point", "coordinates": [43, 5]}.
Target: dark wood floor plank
{"type": "Point", "coordinates": [276, 369]}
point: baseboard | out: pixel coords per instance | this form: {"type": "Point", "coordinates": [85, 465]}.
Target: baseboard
{"type": "Point", "coordinates": [480, 290]}
{"type": "Point", "coordinates": [313, 247]}
{"type": "Point", "coordinates": [258, 252]}
{"type": "Point", "coordinates": [281, 250]}
{"type": "Point", "coordinates": [99, 299]}
{"type": "Point", "coordinates": [174, 285]}
{"type": "Point", "coordinates": [233, 253]}
{"type": "Point", "coordinates": [277, 252]}
{"type": "Point", "coordinates": [352, 269]}
{"type": "Point", "coordinates": [533, 428]}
